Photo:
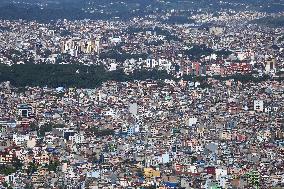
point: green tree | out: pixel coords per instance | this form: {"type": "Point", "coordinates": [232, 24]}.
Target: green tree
{"type": "Point", "coordinates": [7, 169]}
{"type": "Point", "coordinates": [102, 132]}
{"type": "Point", "coordinates": [5, 184]}
{"type": "Point", "coordinates": [17, 164]}
{"type": "Point", "coordinates": [29, 186]}
{"type": "Point", "coordinates": [32, 168]}
{"type": "Point", "coordinates": [193, 159]}
{"type": "Point", "coordinates": [33, 126]}
{"type": "Point", "coordinates": [53, 166]}
{"type": "Point", "coordinates": [45, 128]}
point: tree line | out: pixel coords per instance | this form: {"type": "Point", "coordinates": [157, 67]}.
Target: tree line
{"type": "Point", "coordinates": [71, 75]}
{"type": "Point", "coordinates": [82, 76]}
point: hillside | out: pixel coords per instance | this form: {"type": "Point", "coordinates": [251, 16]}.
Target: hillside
{"type": "Point", "coordinates": [270, 21]}
{"type": "Point", "coordinates": [46, 10]}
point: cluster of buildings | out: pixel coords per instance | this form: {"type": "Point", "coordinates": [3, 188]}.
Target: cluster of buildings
{"type": "Point", "coordinates": [216, 44]}
{"type": "Point", "coordinates": [144, 134]}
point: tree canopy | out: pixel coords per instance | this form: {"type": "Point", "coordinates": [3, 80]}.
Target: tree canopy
{"type": "Point", "coordinates": [82, 76]}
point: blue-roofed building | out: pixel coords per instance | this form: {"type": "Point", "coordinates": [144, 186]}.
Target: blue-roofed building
{"type": "Point", "coordinates": [171, 184]}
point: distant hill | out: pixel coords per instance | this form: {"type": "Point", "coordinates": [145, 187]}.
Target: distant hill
{"type": "Point", "coordinates": [270, 21]}
{"type": "Point", "coordinates": [46, 10]}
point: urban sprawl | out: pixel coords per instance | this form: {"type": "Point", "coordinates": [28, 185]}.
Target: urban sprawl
{"type": "Point", "coordinates": [217, 121]}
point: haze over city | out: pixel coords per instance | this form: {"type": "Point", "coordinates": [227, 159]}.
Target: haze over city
{"type": "Point", "coordinates": [141, 94]}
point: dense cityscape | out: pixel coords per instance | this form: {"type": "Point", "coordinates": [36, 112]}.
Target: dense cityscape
{"type": "Point", "coordinates": [142, 94]}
